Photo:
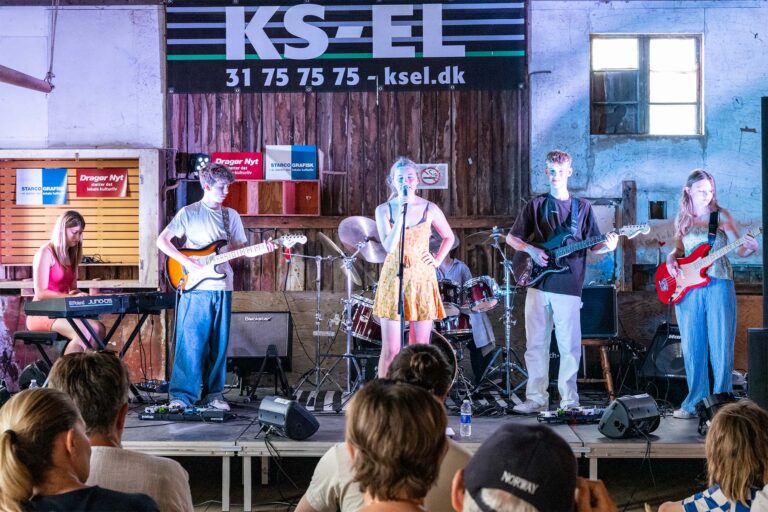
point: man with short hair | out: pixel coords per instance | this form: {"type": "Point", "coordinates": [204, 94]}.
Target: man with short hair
{"type": "Point", "coordinates": [526, 468]}
{"type": "Point", "coordinates": [98, 384]}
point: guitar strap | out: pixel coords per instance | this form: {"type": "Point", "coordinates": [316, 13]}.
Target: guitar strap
{"type": "Point", "coordinates": [713, 221]}
{"type": "Point", "coordinates": [225, 218]}
{"type": "Point", "coordinates": [551, 208]}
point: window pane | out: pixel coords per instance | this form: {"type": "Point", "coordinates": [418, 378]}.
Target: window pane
{"type": "Point", "coordinates": [673, 55]}
{"type": "Point", "coordinates": [614, 119]}
{"type": "Point", "coordinates": [672, 87]}
{"type": "Point", "coordinates": [610, 86]}
{"type": "Point", "coordinates": [614, 53]}
{"type": "Point", "coordinates": [673, 119]}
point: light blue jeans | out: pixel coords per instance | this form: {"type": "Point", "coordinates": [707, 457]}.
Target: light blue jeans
{"type": "Point", "coordinates": [707, 320]}
{"type": "Point", "coordinates": [202, 333]}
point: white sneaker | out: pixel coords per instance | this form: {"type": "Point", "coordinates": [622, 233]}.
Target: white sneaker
{"type": "Point", "coordinates": [529, 407]}
{"type": "Point", "coordinates": [221, 405]}
{"type": "Point", "coordinates": [177, 404]}
{"type": "Point", "coordinates": [682, 414]}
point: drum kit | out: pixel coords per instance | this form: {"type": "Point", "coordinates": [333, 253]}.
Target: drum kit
{"type": "Point", "coordinates": [452, 334]}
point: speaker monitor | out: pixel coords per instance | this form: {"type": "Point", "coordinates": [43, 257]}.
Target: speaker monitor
{"type": "Point", "coordinates": [251, 333]}
{"type": "Point", "coordinates": [630, 416]}
{"type": "Point", "coordinates": [664, 357]}
{"type": "Point", "coordinates": [757, 363]}
{"type": "Point", "coordinates": [599, 312]}
{"type": "Point", "coordinates": [287, 418]}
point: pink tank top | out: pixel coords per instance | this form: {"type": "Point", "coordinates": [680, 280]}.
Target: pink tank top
{"type": "Point", "coordinates": [60, 278]}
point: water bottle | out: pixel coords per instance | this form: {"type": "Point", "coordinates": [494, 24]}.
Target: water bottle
{"type": "Point", "coordinates": [33, 384]}
{"type": "Point", "coordinates": [466, 419]}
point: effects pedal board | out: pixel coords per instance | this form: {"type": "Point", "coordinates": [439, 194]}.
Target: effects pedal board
{"type": "Point", "coordinates": [573, 416]}
{"type": "Point", "coordinates": [163, 413]}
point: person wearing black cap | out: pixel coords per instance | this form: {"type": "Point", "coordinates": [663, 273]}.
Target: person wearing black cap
{"type": "Point", "coordinates": [526, 468]}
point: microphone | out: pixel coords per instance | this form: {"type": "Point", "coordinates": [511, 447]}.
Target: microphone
{"type": "Point", "coordinates": [405, 190]}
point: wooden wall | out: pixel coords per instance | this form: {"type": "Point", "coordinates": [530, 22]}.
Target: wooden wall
{"type": "Point", "coordinates": [482, 135]}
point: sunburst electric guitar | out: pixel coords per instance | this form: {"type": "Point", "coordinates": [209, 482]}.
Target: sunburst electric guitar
{"type": "Point", "coordinates": [527, 272]}
{"type": "Point", "coordinates": [671, 290]}
{"type": "Point", "coordinates": [210, 258]}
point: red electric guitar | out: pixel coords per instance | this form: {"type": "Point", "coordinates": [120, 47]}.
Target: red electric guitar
{"type": "Point", "coordinates": [694, 267]}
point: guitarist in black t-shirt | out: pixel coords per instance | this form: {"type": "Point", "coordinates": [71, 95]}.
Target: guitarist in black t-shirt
{"type": "Point", "coordinates": [555, 298]}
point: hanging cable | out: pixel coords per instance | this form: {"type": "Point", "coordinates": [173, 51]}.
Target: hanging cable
{"type": "Point", "coordinates": [49, 75]}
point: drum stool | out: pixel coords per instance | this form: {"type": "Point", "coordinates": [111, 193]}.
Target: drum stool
{"type": "Point", "coordinates": [605, 364]}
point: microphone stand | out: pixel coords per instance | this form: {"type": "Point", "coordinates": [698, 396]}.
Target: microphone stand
{"type": "Point", "coordinates": [400, 276]}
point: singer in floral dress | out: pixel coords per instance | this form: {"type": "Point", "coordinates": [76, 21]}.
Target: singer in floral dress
{"type": "Point", "coordinates": [422, 296]}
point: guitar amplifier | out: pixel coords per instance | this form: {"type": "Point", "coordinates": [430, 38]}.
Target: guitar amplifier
{"type": "Point", "coordinates": [250, 333]}
{"type": "Point", "coordinates": [599, 312]}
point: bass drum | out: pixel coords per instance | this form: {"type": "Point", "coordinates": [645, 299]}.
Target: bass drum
{"type": "Point", "coordinates": [446, 348]}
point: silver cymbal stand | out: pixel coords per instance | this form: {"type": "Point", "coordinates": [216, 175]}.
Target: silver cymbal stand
{"type": "Point", "coordinates": [348, 356]}
{"type": "Point", "coordinates": [507, 366]}
{"type": "Point", "coordinates": [318, 371]}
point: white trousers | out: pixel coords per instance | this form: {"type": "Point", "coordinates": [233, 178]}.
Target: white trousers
{"type": "Point", "coordinates": [542, 311]}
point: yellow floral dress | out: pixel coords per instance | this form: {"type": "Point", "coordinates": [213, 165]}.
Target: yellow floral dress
{"type": "Point", "coordinates": [422, 294]}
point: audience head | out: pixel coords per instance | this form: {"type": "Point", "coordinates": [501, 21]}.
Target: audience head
{"type": "Point", "coordinates": [396, 435]}
{"type": "Point", "coordinates": [424, 366]}
{"type": "Point", "coordinates": [67, 237]}
{"type": "Point", "coordinates": [520, 468]}
{"type": "Point", "coordinates": [737, 449]}
{"type": "Point", "coordinates": [35, 425]}
{"type": "Point", "coordinates": [98, 383]}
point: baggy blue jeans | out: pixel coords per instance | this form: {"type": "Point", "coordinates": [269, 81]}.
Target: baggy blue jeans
{"type": "Point", "coordinates": [707, 320]}
{"type": "Point", "coordinates": [202, 333]}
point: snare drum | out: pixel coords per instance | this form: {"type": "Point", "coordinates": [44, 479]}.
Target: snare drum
{"type": "Point", "coordinates": [450, 293]}
{"type": "Point", "coordinates": [457, 325]}
{"type": "Point", "coordinates": [480, 294]}
{"type": "Point", "coordinates": [364, 325]}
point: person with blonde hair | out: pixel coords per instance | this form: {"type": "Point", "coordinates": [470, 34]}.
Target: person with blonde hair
{"type": "Point", "coordinates": [396, 439]}
{"type": "Point", "coordinates": [44, 459]}
{"type": "Point", "coordinates": [333, 487]}
{"type": "Point", "coordinates": [422, 303]}
{"type": "Point", "coordinates": [98, 383]}
{"type": "Point", "coordinates": [736, 449]}
{"type": "Point", "coordinates": [54, 274]}
{"type": "Point", "coordinates": [706, 315]}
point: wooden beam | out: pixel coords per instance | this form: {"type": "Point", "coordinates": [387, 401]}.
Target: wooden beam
{"type": "Point", "coordinates": [332, 222]}
{"type": "Point", "coordinates": [628, 216]}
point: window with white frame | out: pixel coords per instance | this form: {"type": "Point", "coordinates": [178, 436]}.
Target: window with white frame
{"type": "Point", "coordinates": [646, 84]}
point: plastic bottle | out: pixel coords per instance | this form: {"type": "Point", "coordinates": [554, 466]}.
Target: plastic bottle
{"type": "Point", "coordinates": [33, 384]}
{"type": "Point", "coordinates": [466, 419]}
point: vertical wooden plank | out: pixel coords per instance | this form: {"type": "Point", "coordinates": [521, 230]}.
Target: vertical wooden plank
{"type": "Point", "coordinates": [283, 115]}
{"type": "Point", "coordinates": [408, 124]}
{"type": "Point", "coordinates": [268, 118]}
{"type": "Point", "coordinates": [298, 118]}
{"type": "Point", "coordinates": [628, 216]}
{"type": "Point", "coordinates": [374, 174]}
{"type": "Point", "coordinates": [325, 147]}
{"type": "Point", "coordinates": [387, 150]}
{"type": "Point", "coordinates": [464, 152]}
{"type": "Point", "coordinates": [355, 154]}
{"type": "Point", "coordinates": [485, 172]}
{"type": "Point", "coordinates": [222, 134]}
{"type": "Point", "coordinates": [237, 125]}
{"type": "Point", "coordinates": [337, 186]}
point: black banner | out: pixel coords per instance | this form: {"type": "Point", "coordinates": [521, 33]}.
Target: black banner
{"type": "Point", "coordinates": [335, 45]}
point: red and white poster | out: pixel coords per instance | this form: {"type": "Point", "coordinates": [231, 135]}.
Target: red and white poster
{"type": "Point", "coordinates": [102, 182]}
{"type": "Point", "coordinates": [245, 166]}
{"type": "Point", "coordinates": [433, 176]}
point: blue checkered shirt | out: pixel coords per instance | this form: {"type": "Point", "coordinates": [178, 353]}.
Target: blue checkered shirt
{"type": "Point", "coordinates": [714, 499]}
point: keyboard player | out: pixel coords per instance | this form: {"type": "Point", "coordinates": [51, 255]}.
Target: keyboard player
{"type": "Point", "coordinates": [54, 274]}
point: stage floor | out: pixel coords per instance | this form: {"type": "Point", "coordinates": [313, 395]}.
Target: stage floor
{"type": "Point", "coordinates": [238, 438]}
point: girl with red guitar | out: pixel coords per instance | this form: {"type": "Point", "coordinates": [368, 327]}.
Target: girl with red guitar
{"type": "Point", "coordinates": [707, 314]}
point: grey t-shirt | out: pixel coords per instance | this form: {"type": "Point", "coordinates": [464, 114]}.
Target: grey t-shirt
{"type": "Point", "coordinates": [201, 226]}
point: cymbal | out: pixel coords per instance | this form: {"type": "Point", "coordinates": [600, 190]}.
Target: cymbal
{"type": "Point", "coordinates": [356, 230]}
{"type": "Point", "coordinates": [435, 240]}
{"type": "Point", "coordinates": [335, 248]}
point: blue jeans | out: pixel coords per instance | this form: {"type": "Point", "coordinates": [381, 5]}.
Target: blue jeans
{"type": "Point", "coordinates": [707, 320]}
{"type": "Point", "coordinates": [202, 333]}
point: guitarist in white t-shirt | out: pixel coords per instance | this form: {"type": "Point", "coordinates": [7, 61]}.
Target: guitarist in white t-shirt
{"type": "Point", "coordinates": [555, 299]}
{"type": "Point", "coordinates": [203, 314]}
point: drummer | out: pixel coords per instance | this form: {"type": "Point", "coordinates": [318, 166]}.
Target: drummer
{"type": "Point", "coordinates": [483, 341]}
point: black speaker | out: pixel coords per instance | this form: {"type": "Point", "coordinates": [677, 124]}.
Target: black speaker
{"type": "Point", "coordinates": [664, 357]}
{"type": "Point", "coordinates": [757, 364]}
{"type": "Point", "coordinates": [599, 312]}
{"type": "Point", "coordinates": [630, 416]}
{"type": "Point", "coordinates": [251, 333]}
{"type": "Point", "coordinates": [287, 418]}
{"type": "Point", "coordinates": [708, 407]}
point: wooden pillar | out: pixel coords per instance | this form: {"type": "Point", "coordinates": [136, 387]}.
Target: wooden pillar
{"type": "Point", "coordinates": [628, 216]}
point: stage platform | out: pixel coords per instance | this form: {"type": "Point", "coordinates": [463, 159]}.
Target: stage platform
{"type": "Point", "coordinates": [238, 438]}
